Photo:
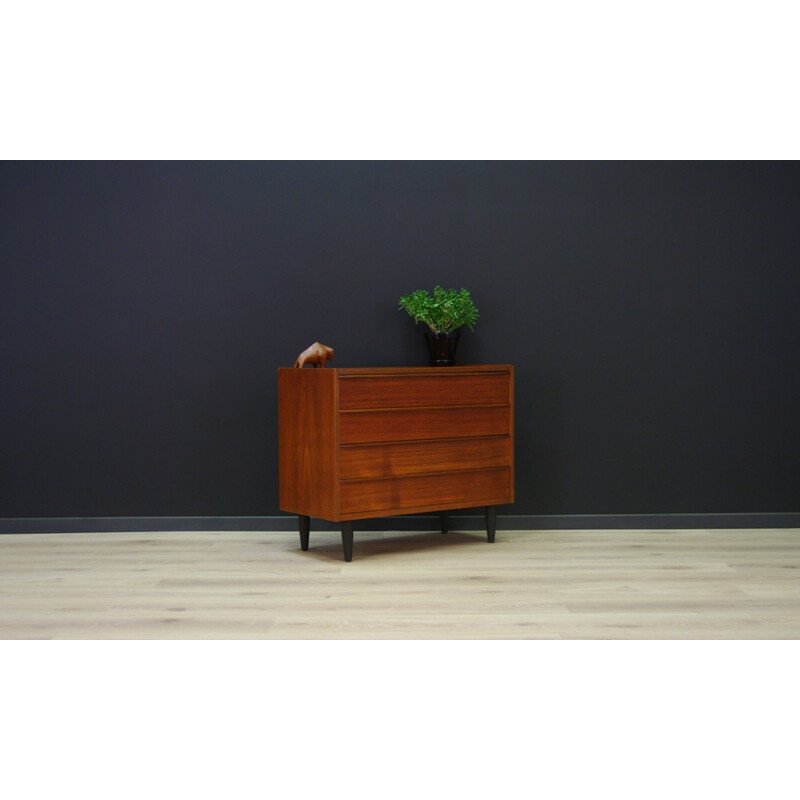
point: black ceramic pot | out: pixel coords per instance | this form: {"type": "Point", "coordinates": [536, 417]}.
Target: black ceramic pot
{"type": "Point", "coordinates": [442, 347]}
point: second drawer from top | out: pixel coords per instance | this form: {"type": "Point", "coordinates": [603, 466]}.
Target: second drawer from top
{"type": "Point", "coordinates": [398, 425]}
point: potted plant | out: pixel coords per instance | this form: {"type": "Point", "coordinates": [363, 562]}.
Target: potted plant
{"type": "Point", "coordinates": [444, 313]}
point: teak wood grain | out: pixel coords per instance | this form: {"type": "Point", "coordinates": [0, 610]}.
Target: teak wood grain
{"type": "Point", "coordinates": [444, 372]}
{"type": "Point", "coordinates": [397, 425]}
{"type": "Point", "coordinates": [438, 490]}
{"type": "Point", "coordinates": [308, 442]}
{"type": "Point", "coordinates": [423, 390]}
{"type": "Point", "coordinates": [355, 443]}
{"type": "Point", "coordinates": [415, 458]}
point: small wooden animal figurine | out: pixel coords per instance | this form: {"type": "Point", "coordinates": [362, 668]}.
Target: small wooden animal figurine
{"type": "Point", "coordinates": [317, 355]}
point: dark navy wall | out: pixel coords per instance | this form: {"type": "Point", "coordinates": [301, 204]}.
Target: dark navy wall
{"type": "Point", "coordinates": [651, 310]}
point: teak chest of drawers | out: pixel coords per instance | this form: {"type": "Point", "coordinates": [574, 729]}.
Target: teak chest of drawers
{"type": "Point", "coordinates": [375, 442]}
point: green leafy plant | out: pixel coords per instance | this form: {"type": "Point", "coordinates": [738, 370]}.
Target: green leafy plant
{"type": "Point", "coordinates": [443, 311]}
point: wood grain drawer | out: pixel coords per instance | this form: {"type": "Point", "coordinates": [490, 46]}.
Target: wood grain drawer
{"type": "Point", "coordinates": [424, 423]}
{"type": "Point", "coordinates": [442, 389]}
{"type": "Point", "coordinates": [437, 490]}
{"type": "Point", "coordinates": [415, 458]}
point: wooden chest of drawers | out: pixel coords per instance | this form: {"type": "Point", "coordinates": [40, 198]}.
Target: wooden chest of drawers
{"type": "Point", "coordinates": [374, 442]}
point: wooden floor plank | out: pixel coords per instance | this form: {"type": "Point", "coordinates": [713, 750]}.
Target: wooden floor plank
{"type": "Point", "coordinates": [700, 584]}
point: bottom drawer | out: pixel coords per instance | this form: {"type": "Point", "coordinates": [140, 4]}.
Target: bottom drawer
{"type": "Point", "coordinates": [439, 490]}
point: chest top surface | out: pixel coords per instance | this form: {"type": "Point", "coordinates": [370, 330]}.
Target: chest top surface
{"type": "Point", "coordinates": [353, 372]}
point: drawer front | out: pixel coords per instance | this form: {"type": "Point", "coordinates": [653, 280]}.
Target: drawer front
{"type": "Point", "coordinates": [416, 458]}
{"type": "Point", "coordinates": [424, 423]}
{"type": "Point", "coordinates": [423, 390]}
{"type": "Point", "coordinates": [438, 490]}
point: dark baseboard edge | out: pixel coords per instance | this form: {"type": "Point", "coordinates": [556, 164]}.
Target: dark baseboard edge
{"type": "Point", "coordinates": [420, 522]}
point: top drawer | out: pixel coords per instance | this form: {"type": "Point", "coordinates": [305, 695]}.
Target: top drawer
{"type": "Point", "coordinates": [405, 391]}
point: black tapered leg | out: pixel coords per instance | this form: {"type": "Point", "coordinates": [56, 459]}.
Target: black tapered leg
{"type": "Point", "coordinates": [347, 540]}
{"type": "Point", "coordinates": [491, 522]}
{"type": "Point", "coordinates": [444, 516]}
{"type": "Point", "coordinates": [304, 523]}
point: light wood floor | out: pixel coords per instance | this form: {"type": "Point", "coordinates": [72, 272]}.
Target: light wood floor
{"type": "Point", "coordinates": [720, 584]}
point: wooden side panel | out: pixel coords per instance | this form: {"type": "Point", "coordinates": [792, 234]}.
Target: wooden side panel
{"type": "Point", "coordinates": [308, 442]}
{"type": "Point", "coordinates": [424, 423]}
{"type": "Point", "coordinates": [439, 389]}
{"type": "Point", "coordinates": [417, 458]}
{"type": "Point", "coordinates": [511, 476]}
{"type": "Point", "coordinates": [437, 490]}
